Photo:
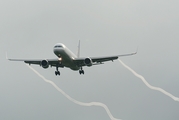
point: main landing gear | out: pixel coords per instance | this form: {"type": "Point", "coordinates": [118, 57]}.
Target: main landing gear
{"type": "Point", "coordinates": [81, 71]}
{"type": "Point", "coordinates": [57, 72]}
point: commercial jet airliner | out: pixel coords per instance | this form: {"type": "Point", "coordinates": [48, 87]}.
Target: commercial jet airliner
{"type": "Point", "coordinates": [65, 58]}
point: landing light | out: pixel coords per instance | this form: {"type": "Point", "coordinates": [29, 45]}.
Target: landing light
{"type": "Point", "coordinates": [60, 59]}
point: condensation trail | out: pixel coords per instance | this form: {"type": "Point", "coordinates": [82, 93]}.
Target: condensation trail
{"type": "Point", "coordinates": [148, 85]}
{"type": "Point", "coordinates": [72, 99]}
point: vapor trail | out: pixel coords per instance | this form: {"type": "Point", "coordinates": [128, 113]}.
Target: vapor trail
{"type": "Point", "coordinates": [72, 99]}
{"type": "Point", "coordinates": [148, 85]}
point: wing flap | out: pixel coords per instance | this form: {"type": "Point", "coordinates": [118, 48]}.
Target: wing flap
{"type": "Point", "coordinates": [104, 59]}
{"type": "Point", "coordinates": [100, 60]}
{"type": "Point", "coordinates": [52, 62]}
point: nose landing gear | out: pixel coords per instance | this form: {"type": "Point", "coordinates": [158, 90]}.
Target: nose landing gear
{"type": "Point", "coordinates": [81, 71]}
{"type": "Point", "coordinates": [57, 72]}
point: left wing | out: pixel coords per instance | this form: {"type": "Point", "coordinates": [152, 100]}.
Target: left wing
{"type": "Point", "coordinates": [111, 58]}
{"type": "Point", "coordinates": [100, 60]}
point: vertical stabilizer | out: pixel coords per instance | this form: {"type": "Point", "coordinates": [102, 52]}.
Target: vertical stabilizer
{"type": "Point", "coordinates": [78, 53]}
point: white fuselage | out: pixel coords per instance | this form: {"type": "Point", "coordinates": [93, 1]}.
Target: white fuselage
{"type": "Point", "coordinates": [65, 56]}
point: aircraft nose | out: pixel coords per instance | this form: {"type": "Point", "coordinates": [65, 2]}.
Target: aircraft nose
{"type": "Point", "coordinates": [57, 49]}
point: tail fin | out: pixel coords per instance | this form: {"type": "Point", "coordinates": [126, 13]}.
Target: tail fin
{"type": "Point", "coordinates": [78, 53]}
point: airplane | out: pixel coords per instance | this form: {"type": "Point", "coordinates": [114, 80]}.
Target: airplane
{"type": "Point", "coordinates": [66, 58]}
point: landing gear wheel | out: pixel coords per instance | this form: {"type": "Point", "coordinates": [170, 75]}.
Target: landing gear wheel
{"type": "Point", "coordinates": [57, 73]}
{"type": "Point", "coordinates": [81, 72]}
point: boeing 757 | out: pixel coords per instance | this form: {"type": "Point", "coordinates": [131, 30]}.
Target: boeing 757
{"type": "Point", "coordinates": [65, 58]}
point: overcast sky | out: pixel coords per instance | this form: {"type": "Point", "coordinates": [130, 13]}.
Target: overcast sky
{"type": "Point", "coordinates": [30, 28]}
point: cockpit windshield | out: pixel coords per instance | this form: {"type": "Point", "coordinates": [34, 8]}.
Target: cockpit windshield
{"type": "Point", "coordinates": [58, 46]}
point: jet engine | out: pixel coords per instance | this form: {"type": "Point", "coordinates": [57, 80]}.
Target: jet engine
{"type": "Point", "coordinates": [45, 64]}
{"type": "Point", "coordinates": [88, 62]}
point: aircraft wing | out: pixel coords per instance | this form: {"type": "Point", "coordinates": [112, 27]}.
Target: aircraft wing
{"type": "Point", "coordinates": [100, 60]}
{"type": "Point", "coordinates": [52, 62]}
{"type": "Point", "coordinates": [110, 58]}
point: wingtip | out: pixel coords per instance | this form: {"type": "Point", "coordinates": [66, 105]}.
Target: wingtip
{"type": "Point", "coordinates": [6, 56]}
{"type": "Point", "coordinates": [136, 51]}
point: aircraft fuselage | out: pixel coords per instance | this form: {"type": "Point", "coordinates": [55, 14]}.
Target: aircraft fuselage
{"type": "Point", "coordinates": [65, 56]}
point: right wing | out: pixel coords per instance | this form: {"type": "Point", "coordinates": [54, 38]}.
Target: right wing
{"type": "Point", "coordinates": [100, 60]}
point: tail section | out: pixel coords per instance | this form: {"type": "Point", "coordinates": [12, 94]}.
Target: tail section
{"type": "Point", "coordinates": [78, 53]}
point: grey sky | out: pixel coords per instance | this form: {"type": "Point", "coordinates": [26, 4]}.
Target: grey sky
{"type": "Point", "coordinates": [29, 29]}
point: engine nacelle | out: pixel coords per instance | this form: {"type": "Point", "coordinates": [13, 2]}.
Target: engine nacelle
{"type": "Point", "coordinates": [88, 62]}
{"type": "Point", "coordinates": [45, 64]}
